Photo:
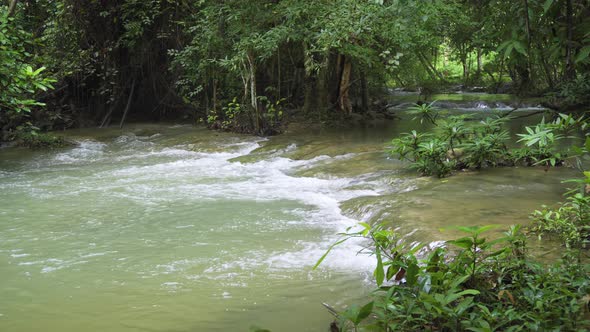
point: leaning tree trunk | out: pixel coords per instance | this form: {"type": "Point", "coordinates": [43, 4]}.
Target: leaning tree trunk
{"type": "Point", "coordinates": [215, 102]}
{"type": "Point", "coordinates": [308, 81]}
{"type": "Point", "coordinates": [465, 69]}
{"type": "Point", "coordinates": [129, 99]}
{"type": "Point", "coordinates": [570, 71]}
{"type": "Point", "coordinates": [253, 96]}
{"type": "Point", "coordinates": [344, 104]}
{"type": "Point", "coordinates": [308, 97]}
{"type": "Point", "coordinates": [364, 92]}
{"type": "Point", "coordinates": [12, 7]}
{"type": "Point", "coordinates": [322, 86]}
{"type": "Point", "coordinates": [479, 63]}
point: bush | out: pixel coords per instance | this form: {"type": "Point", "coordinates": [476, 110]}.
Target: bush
{"type": "Point", "coordinates": [34, 140]}
{"type": "Point", "coordinates": [571, 93]}
{"type": "Point", "coordinates": [455, 144]}
{"type": "Point", "coordinates": [19, 80]}
{"type": "Point", "coordinates": [484, 286]}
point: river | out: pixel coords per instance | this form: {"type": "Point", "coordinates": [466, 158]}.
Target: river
{"type": "Point", "coordinates": [177, 228]}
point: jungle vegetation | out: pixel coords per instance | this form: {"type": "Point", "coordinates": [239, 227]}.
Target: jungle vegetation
{"type": "Point", "coordinates": [238, 65]}
{"type": "Point", "coordinates": [246, 66]}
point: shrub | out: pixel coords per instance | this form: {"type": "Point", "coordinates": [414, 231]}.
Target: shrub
{"type": "Point", "coordinates": [35, 140]}
{"type": "Point", "coordinates": [20, 78]}
{"type": "Point", "coordinates": [484, 286]}
{"type": "Point", "coordinates": [483, 144]}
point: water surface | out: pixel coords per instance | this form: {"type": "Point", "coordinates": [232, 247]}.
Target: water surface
{"type": "Point", "coordinates": [176, 228]}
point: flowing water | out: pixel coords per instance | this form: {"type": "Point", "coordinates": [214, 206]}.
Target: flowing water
{"type": "Point", "coordinates": [176, 228]}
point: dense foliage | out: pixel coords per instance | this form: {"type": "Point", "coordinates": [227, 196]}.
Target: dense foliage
{"type": "Point", "coordinates": [483, 286]}
{"type": "Point", "coordinates": [455, 143]}
{"type": "Point", "coordinates": [20, 78]}
{"type": "Point", "coordinates": [158, 59]}
{"type": "Point", "coordinates": [472, 283]}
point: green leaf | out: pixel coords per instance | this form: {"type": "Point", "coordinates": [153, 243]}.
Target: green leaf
{"type": "Point", "coordinates": [412, 273]}
{"type": "Point", "coordinates": [364, 312]}
{"type": "Point", "coordinates": [474, 230]}
{"type": "Point", "coordinates": [327, 252]}
{"type": "Point", "coordinates": [547, 5]}
{"type": "Point", "coordinates": [453, 297]}
{"type": "Point", "coordinates": [508, 50]}
{"type": "Point", "coordinates": [583, 54]}
{"type": "Point", "coordinates": [519, 47]}
{"type": "Point", "coordinates": [379, 273]}
{"type": "Point", "coordinates": [465, 243]}
{"type": "Point", "coordinates": [38, 71]}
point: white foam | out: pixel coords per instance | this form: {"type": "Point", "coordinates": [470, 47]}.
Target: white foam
{"type": "Point", "coordinates": [86, 150]}
{"type": "Point", "coordinates": [175, 174]}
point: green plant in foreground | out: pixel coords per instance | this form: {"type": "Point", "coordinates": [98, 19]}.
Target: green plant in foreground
{"type": "Point", "coordinates": [570, 220]}
{"type": "Point", "coordinates": [424, 112]}
{"type": "Point", "coordinates": [483, 286]}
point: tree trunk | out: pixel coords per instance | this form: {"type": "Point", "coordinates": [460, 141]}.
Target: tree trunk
{"type": "Point", "coordinates": [528, 24]}
{"type": "Point", "coordinates": [465, 70]}
{"type": "Point", "coordinates": [430, 68]}
{"type": "Point", "coordinates": [322, 86]}
{"type": "Point", "coordinates": [279, 73]}
{"type": "Point", "coordinates": [525, 84]}
{"type": "Point", "coordinates": [529, 34]}
{"type": "Point", "coordinates": [364, 92]}
{"type": "Point", "coordinates": [12, 7]}
{"type": "Point", "coordinates": [344, 103]}
{"type": "Point", "coordinates": [253, 96]}
{"type": "Point", "coordinates": [570, 71]}
{"type": "Point", "coordinates": [335, 79]}
{"type": "Point", "coordinates": [128, 104]}
{"type": "Point", "coordinates": [215, 96]}
{"type": "Point", "coordinates": [479, 65]}
{"type": "Point", "coordinates": [308, 83]}
{"type": "Point", "coordinates": [546, 68]}
{"type": "Point", "coordinates": [308, 97]}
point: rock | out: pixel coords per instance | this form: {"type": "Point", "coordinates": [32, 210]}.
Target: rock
{"type": "Point", "coordinates": [477, 89]}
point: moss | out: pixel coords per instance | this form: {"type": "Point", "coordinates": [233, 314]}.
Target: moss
{"type": "Point", "coordinates": [34, 140]}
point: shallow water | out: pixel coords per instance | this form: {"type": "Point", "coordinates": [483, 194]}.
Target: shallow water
{"type": "Point", "coordinates": [175, 228]}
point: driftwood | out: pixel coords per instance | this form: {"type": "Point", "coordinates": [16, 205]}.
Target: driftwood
{"type": "Point", "coordinates": [508, 113]}
{"type": "Point", "coordinates": [333, 326]}
{"type": "Point", "coordinates": [530, 114]}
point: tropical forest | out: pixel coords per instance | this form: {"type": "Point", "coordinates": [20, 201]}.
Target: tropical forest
{"type": "Point", "coordinates": [294, 165]}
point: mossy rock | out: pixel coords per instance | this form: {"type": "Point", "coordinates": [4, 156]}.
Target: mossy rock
{"type": "Point", "coordinates": [35, 140]}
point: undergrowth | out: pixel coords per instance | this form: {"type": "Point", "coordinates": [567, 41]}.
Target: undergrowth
{"type": "Point", "coordinates": [470, 284]}
{"type": "Point", "coordinates": [456, 143]}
